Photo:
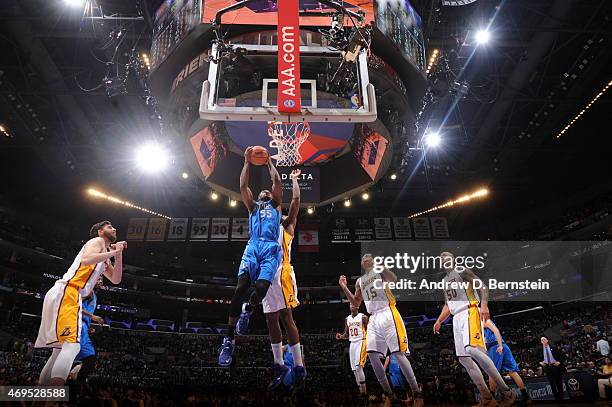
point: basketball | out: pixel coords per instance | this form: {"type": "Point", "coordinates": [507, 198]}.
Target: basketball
{"type": "Point", "coordinates": [259, 155]}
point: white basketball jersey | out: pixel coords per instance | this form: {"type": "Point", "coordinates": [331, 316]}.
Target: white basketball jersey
{"type": "Point", "coordinates": [355, 327]}
{"type": "Point", "coordinates": [459, 299]}
{"type": "Point", "coordinates": [374, 295]}
{"type": "Point", "coordinates": [83, 277]}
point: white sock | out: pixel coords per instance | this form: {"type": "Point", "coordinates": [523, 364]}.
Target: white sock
{"type": "Point", "coordinates": [485, 362]}
{"type": "Point", "coordinates": [379, 371]}
{"type": "Point", "coordinates": [45, 374]}
{"type": "Point", "coordinates": [476, 376]}
{"type": "Point", "coordinates": [64, 360]}
{"type": "Point", "coordinates": [296, 350]}
{"type": "Point", "coordinates": [277, 351]}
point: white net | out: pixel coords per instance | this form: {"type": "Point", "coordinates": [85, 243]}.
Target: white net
{"type": "Point", "coordinates": [287, 137]}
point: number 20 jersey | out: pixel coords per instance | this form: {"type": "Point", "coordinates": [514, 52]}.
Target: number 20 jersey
{"type": "Point", "coordinates": [375, 296]}
{"type": "Point", "coordinates": [355, 327]}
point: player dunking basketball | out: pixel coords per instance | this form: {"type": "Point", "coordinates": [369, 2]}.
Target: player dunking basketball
{"type": "Point", "coordinates": [60, 327]}
{"type": "Point", "coordinates": [262, 254]}
{"type": "Point", "coordinates": [386, 329]}
{"type": "Point", "coordinates": [464, 304]}
{"type": "Point", "coordinates": [282, 298]}
{"type": "Point", "coordinates": [355, 328]}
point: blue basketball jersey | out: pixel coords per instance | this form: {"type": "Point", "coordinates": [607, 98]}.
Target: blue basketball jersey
{"type": "Point", "coordinates": [490, 337]}
{"type": "Point", "coordinates": [89, 305]}
{"type": "Point", "coordinates": [264, 221]}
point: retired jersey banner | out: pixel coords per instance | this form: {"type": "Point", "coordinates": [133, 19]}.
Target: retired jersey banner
{"type": "Point", "coordinates": [382, 228]}
{"type": "Point", "coordinates": [219, 229]}
{"type": "Point", "coordinates": [240, 228]}
{"type": "Point", "coordinates": [421, 228]}
{"type": "Point", "coordinates": [363, 230]}
{"type": "Point", "coordinates": [439, 228]}
{"type": "Point", "coordinates": [136, 229]}
{"type": "Point", "coordinates": [340, 232]}
{"type": "Point", "coordinates": [157, 230]}
{"type": "Point", "coordinates": [289, 95]}
{"type": "Point", "coordinates": [178, 229]}
{"type": "Point", "coordinates": [199, 229]}
{"type": "Point", "coordinates": [308, 239]}
{"type": "Point", "coordinates": [402, 229]}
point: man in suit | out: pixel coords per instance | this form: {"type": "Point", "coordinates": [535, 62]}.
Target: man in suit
{"type": "Point", "coordinates": [553, 367]}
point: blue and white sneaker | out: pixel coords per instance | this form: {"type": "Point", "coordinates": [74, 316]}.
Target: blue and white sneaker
{"type": "Point", "coordinates": [243, 321]}
{"type": "Point", "coordinates": [226, 353]}
{"type": "Point", "coordinates": [299, 377]}
{"type": "Point", "coordinates": [280, 372]}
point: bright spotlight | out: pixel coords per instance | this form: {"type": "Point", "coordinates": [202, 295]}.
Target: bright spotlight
{"type": "Point", "coordinates": [74, 3]}
{"type": "Point", "coordinates": [310, 210]}
{"type": "Point", "coordinates": [393, 176]}
{"type": "Point", "coordinates": [365, 196]}
{"type": "Point", "coordinates": [152, 158]}
{"type": "Point", "coordinates": [482, 37]}
{"type": "Point", "coordinates": [214, 196]}
{"type": "Point", "coordinates": [232, 203]}
{"type": "Point", "coordinates": [433, 139]}
{"type": "Point", "coordinates": [185, 175]}
{"type": "Point", "coordinates": [347, 203]}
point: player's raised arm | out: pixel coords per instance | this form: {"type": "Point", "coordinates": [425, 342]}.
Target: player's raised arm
{"type": "Point", "coordinates": [354, 299]}
{"type": "Point", "coordinates": [245, 191]}
{"type": "Point", "coordinates": [345, 334]}
{"type": "Point", "coordinates": [95, 252]}
{"type": "Point", "coordinates": [364, 320]}
{"type": "Point", "coordinates": [294, 208]}
{"type": "Point", "coordinates": [388, 275]}
{"type": "Point", "coordinates": [115, 272]}
{"type": "Point", "coordinates": [469, 276]}
{"type": "Point", "coordinates": [277, 185]}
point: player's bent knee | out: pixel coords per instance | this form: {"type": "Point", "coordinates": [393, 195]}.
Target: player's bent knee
{"type": "Point", "coordinates": [261, 288]}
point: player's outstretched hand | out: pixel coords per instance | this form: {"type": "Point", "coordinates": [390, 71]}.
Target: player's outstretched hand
{"type": "Point", "coordinates": [338, 336]}
{"type": "Point", "coordinates": [97, 319]}
{"type": "Point", "coordinates": [500, 349]}
{"type": "Point", "coordinates": [436, 327]}
{"type": "Point", "coordinates": [247, 153]}
{"type": "Point", "coordinates": [484, 313]}
{"type": "Point", "coordinates": [295, 173]}
{"type": "Point", "coordinates": [119, 246]}
{"type": "Point", "coordinates": [342, 281]}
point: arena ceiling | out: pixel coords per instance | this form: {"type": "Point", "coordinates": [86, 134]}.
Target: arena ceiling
{"type": "Point", "coordinates": [498, 107]}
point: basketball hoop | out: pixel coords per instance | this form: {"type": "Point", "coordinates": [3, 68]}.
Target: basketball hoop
{"type": "Point", "coordinates": [287, 137]}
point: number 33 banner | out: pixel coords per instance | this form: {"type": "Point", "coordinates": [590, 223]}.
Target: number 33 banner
{"type": "Point", "coordinates": [220, 229]}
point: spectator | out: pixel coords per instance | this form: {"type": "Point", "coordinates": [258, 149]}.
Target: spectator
{"type": "Point", "coordinates": [602, 346]}
{"type": "Point", "coordinates": [602, 383]}
{"type": "Point", "coordinates": [554, 368]}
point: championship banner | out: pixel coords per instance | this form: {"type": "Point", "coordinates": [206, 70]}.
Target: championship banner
{"type": "Point", "coordinates": [382, 228]}
{"type": "Point", "coordinates": [199, 229]}
{"type": "Point", "coordinates": [178, 229]}
{"type": "Point", "coordinates": [308, 239]}
{"type": "Point", "coordinates": [340, 232]}
{"type": "Point", "coordinates": [136, 229]}
{"type": "Point", "coordinates": [156, 230]}
{"type": "Point", "coordinates": [289, 94]}
{"type": "Point", "coordinates": [439, 228]}
{"type": "Point", "coordinates": [240, 228]}
{"type": "Point", "coordinates": [219, 229]}
{"type": "Point", "coordinates": [401, 228]}
{"type": "Point", "coordinates": [364, 231]}
{"type": "Point", "coordinates": [421, 228]}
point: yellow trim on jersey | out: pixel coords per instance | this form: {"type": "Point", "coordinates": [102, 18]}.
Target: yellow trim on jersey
{"type": "Point", "coordinates": [400, 330]}
{"type": "Point", "coordinates": [390, 297]}
{"type": "Point", "coordinates": [363, 355]}
{"type": "Point", "coordinates": [82, 275]}
{"type": "Point", "coordinates": [287, 286]}
{"type": "Point", "coordinates": [67, 323]}
{"type": "Point", "coordinates": [475, 327]}
{"type": "Point", "coordinates": [469, 292]}
{"type": "Point", "coordinates": [286, 246]}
